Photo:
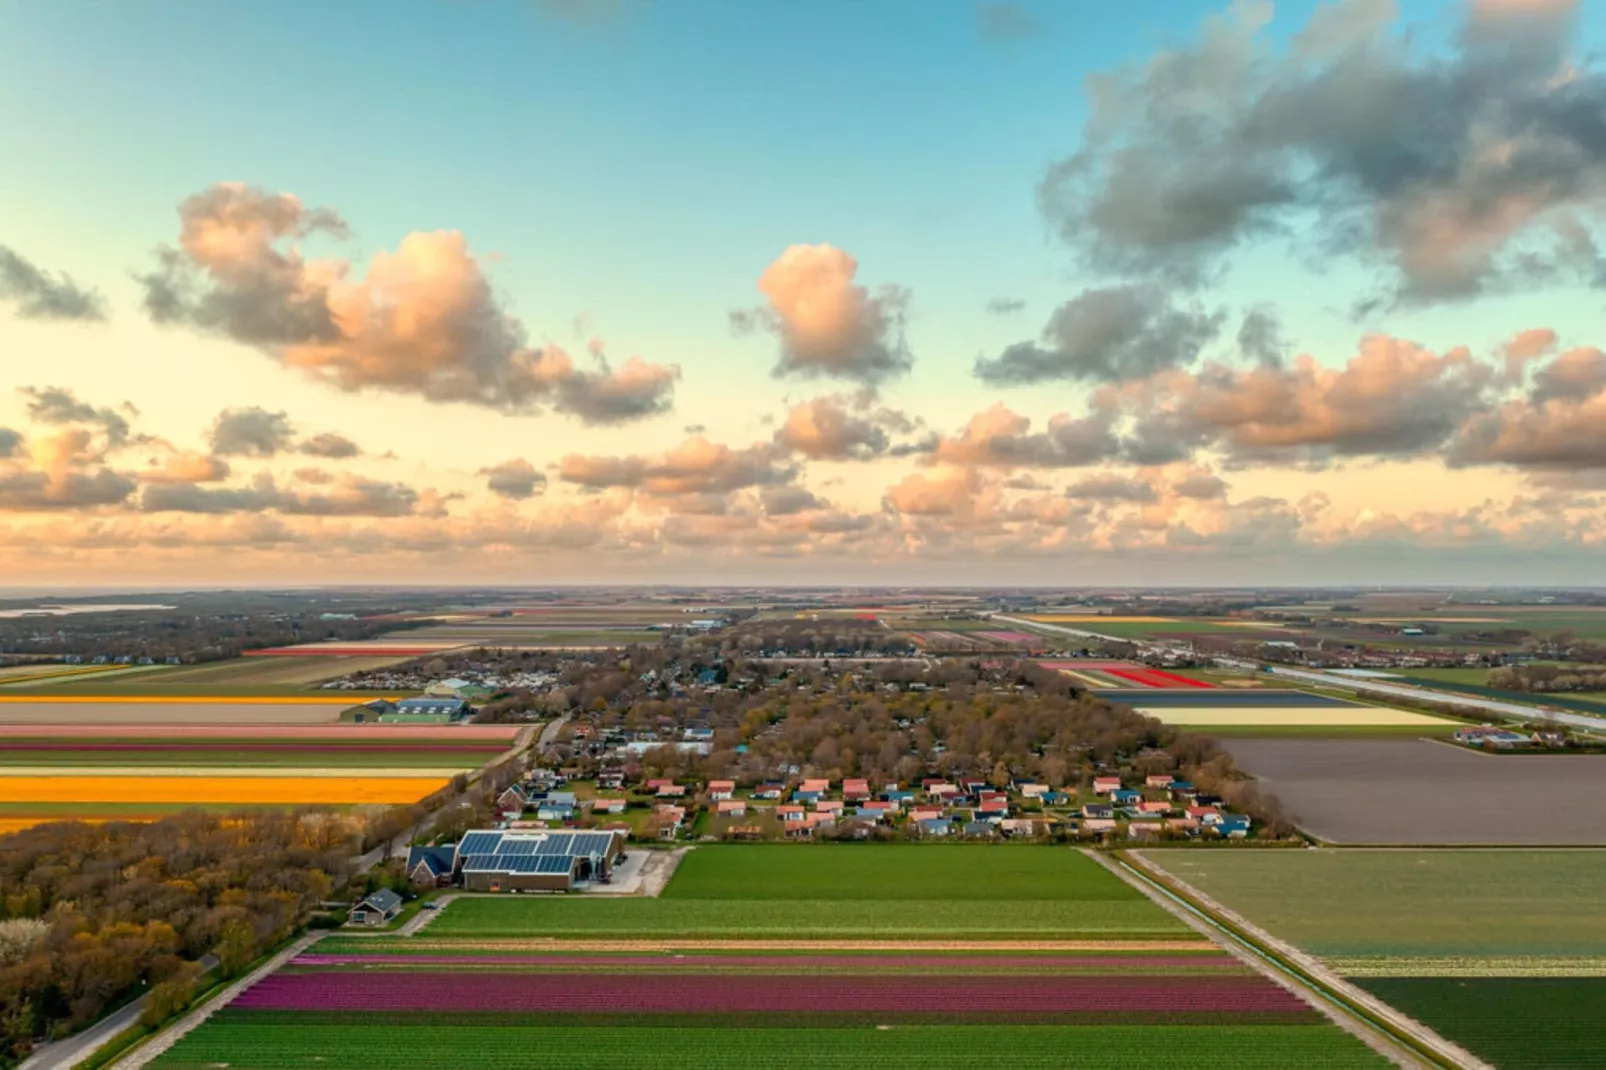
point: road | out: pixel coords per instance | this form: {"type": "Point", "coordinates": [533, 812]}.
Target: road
{"type": "Point", "coordinates": [70, 1051]}
{"type": "Point", "coordinates": [549, 734]}
{"type": "Point", "coordinates": [1514, 710]}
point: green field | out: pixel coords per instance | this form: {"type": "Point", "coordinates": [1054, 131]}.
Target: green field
{"type": "Point", "coordinates": [523, 1047]}
{"type": "Point", "coordinates": [1514, 1023]}
{"type": "Point", "coordinates": [850, 872]}
{"type": "Point", "coordinates": [1453, 676]}
{"type": "Point", "coordinates": [1402, 903]}
{"type": "Point", "coordinates": [804, 919]}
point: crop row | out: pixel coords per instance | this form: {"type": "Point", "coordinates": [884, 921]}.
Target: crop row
{"type": "Point", "coordinates": [586, 992]}
{"type": "Point", "coordinates": [521, 1047]}
{"type": "Point", "coordinates": [964, 964]}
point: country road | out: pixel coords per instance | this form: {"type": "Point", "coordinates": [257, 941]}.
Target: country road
{"type": "Point", "coordinates": [70, 1051]}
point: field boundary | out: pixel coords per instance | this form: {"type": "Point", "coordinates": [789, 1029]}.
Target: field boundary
{"type": "Point", "coordinates": [1333, 991]}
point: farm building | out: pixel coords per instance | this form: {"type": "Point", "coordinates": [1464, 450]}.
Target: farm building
{"type": "Point", "coordinates": [499, 861]}
{"type": "Point", "coordinates": [426, 711]}
{"type": "Point", "coordinates": [431, 867]}
{"type": "Point", "coordinates": [377, 909]}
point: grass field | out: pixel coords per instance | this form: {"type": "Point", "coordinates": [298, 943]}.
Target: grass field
{"type": "Point", "coordinates": [817, 956]}
{"type": "Point", "coordinates": [244, 1046]}
{"type": "Point", "coordinates": [895, 872]}
{"type": "Point", "coordinates": [1513, 1023]}
{"type": "Point", "coordinates": [1397, 904]}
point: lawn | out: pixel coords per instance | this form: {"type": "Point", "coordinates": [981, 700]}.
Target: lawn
{"type": "Point", "coordinates": [804, 919]}
{"type": "Point", "coordinates": [894, 872]}
{"type": "Point", "coordinates": [1401, 903]}
{"type": "Point", "coordinates": [245, 1046]}
{"type": "Point", "coordinates": [1514, 1023]}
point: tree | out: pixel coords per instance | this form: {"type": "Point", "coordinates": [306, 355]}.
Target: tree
{"type": "Point", "coordinates": [236, 947]}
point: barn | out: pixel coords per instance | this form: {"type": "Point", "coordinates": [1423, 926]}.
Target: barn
{"type": "Point", "coordinates": [517, 861]}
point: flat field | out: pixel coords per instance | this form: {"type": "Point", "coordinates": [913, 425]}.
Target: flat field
{"type": "Point", "coordinates": [826, 959]}
{"type": "Point", "coordinates": [1416, 791]}
{"type": "Point", "coordinates": [1213, 707]}
{"type": "Point", "coordinates": [1515, 1023]}
{"type": "Point", "coordinates": [188, 710]}
{"type": "Point", "coordinates": [1357, 908]}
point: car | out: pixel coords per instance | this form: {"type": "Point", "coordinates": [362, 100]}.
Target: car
{"type": "Point", "coordinates": [428, 906]}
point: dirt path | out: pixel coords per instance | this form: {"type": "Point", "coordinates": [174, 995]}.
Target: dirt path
{"type": "Point", "coordinates": [171, 1034]}
{"type": "Point", "coordinates": [1312, 966]}
{"type": "Point", "coordinates": [658, 868]}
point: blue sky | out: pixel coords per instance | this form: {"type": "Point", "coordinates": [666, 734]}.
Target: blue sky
{"type": "Point", "coordinates": [640, 172]}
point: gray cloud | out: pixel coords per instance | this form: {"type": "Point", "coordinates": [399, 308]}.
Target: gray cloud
{"type": "Point", "coordinates": [329, 445]}
{"type": "Point", "coordinates": [696, 466]}
{"type": "Point", "coordinates": [997, 437]}
{"type": "Point", "coordinates": [1482, 166]}
{"type": "Point", "coordinates": [1261, 338]}
{"type": "Point", "coordinates": [1107, 335]}
{"type": "Point", "coordinates": [1111, 488]}
{"type": "Point", "coordinates": [1201, 486]}
{"type": "Point", "coordinates": [840, 428]}
{"type": "Point", "coordinates": [58, 405]}
{"type": "Point", "coordinates": [1000, 20]}
{"type": "Point", "coordinates": [789, 501]}
{"type": "Point", "coordinates": [517, 479]}
{"type": "Point", "coordinates": [1005, 306]}
{"type": "Point", "coordinates": [251, 432]}
{"type": "Point", "coordinates": [40, 295]}
{"type": "Point", "coordinates": [10, 443]}
{"type": "Point", "coordinates": [41, 491]}
{"type": "Point", "coordinates": [350, 498]}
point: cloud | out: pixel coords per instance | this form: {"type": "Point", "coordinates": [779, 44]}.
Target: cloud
{"type": "Point", "coordinates": [1393, 398]}
{"type": "Point", "coordinates": [39, 295]}
{"type": "Point", "coordinates": [827, 324]}
{"type": "Point", "coordinates": [30, 491]}
{"type": "Point", "coordinates": [10, 443]}
{"type": "Point", "coordinates": [58, 405]}
{"type": "Point", "coordinates": [696, 466]}
{"type": "Point", "coordinates": [351, 497]}
{"type": "Point", "coordinates": [1200, 485]}
{"type": "Point", "coordinates": [947, 494]}
{"type": "Point", "coordinates": [1560, 424]}
{"type": "Point", "coordinates": [1112, 488]}
{"type": "Point", "coordinates": [789, 501]}
{"type": "Point", "coordinates": [329, 445]}
{"type": "Point", "coordinates": [1005, 306]}
{"type": "Point", "coordinates": [1106, 335]}
{"type": "Point", "coordinates": [516, 479]}
{"type": "Point", "coordinates": [999, 437]}
{"type": "Point", "coordinates": [1479, 166]}
{"type": "Point", "coordinates": [1261, 339]}
{"type": "Point", "coordinates": [838, 428]}
{"type": "Point", "coordinates": [185, 467]}
{"type": "Point", "coordinates": [250, 432]}
{"type": "Point", "coordinates": [423, 319]}
{"type": "Point", "coordinates": [999, 20]}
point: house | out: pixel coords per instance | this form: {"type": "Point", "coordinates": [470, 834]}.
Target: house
{"type": "Point", "coordinates": [612, 780]}
{"type": "Point", "coordinates": [806, 796]}
{"type": "Point", "coordinates": [671, 791]}
{"type": "Point", "coordinates": [1098, 826]}
{"type": "Point", "coordinates": [512, 800]}
{"type": "Point", "coordinates": [608, 806]}
{"type": "Point", "coordinates": [855, 790]}
{"type": "Point", "coordinates": [731, 808]}
{"type": "Point", "coordinates": [720, 790]}
{"type": "Point", "coordinates": [1233, 827]}
{"type": "Point", "coordinates": [744, 832]}
{"type": "Point", "coordinates": [935, 827]}
{"type": "Point", "coordinates": [1032, 791]}
{"type": "Point", "coordinates": [925, 813]}
{"type": "Point", "coordinates": [1157, 780]}
{"type": "Point", "coordinates": [979, 829]}
{"type": "Point", "coordinates": [431, 867]}
{"type": "Point", "coordinates": [1098, 811]}
{"type": "Point", "coordinates": [1126, 797]}
{"type": "Point", "coordinates": [994, 807]}
{"type": "Point", "coordinates": [657, 782]}
{"type": "Point", "coordinates": [790, 814]}
{"type": "Point", "coordinates": [1104, 785]}
{"type": "Point", "coordinates": [829, 806]}
{"type": "Point", "coordinates": [670, 819]}
{"type": "Point", "coordinates": [1205, 815]}
{"type": "Point", "coordinates": [814, 786]}
{"type": "Point", "coordinates": [897, 796]}
{"type": "Point", "coordinates": [1018, 826]}
{"type": "Point", "coordinates": [698, 735]}
{"type": "Point", "coordinates": [379, 908]}
{"type": "Point", "coordinates": [770, 789]}
{"type": "Point", "coordinates": [1156, 808]}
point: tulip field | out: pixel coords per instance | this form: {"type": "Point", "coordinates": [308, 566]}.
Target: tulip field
{"type": "Point", "coordinates": [901, 963]}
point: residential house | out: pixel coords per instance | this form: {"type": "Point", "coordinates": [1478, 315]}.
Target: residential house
{"type": "Point", "coordinates": [512, 800]}
{"type": "Point", "coordinates": [431, 867]}
{"type": "Point", "coordinates": [770, 789]}
{"type": "Point", "coordinates": [983, 830]}
{"type": "Point", "coordinates": [379, 908]}
{"type": "Point", "coordinates": [1098, 826]}
{"type": "Point", "coordinates": [829, 806]}
{"type": "Point", "coordinates": [855, 790]}
{"type": "Point", "coordinates": [996, 807]}
{"type": "Point", "coordinates": [1104, 785]}
{"type": "Point", "coordinates": [1205, 815]}
{"type": "Point", "coordinates": [670, 820]}
{"type": "Point", "coordinates": [1098, 811]}
{"type": "Point", "coordinates": [815, 786]}
{"type": "Point", "coordinates": [1126, 797]}
{"type": "Point", "coordinates": [791, 814]}
{"type": "Point", "coordinates": [608, 806]}
{"type": "Point", "coordinates": [935, 826]}
{"type": "Point", "coordinates": [720, 790]}
{"type": "Point", "coordinates": [671, 791]}
{"type": "Point", "coordinates": [1157, 780]}
{"type": "Point", "coordinates": [731, 808]}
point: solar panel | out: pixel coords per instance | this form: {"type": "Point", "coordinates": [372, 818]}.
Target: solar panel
{"type": "Point", "coordinates": [480, 843]}
{"type": "Point", "coordinates": [554, 863]}
{"type": "Point", "coordinates": [561, 843]}
{"type": "Point", "coordinates": [592, 844]}
{"type": "Point", "coordinates": [481, 864]}
{"type": "Point", "coordinates": [521, 846]}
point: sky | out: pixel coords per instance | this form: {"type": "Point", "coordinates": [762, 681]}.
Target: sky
{"type": "Point", "coordinates": [949, 292]}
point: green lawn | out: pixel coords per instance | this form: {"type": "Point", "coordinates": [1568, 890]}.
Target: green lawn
{"type": "Point", "coordinates": [243, 1046]}
{"type": "Point", "coordinates": [1514, 1023]}
{"type": "Point", "coordinates": [1453, 676]}
{"type": "Point", "coordinates": [803, 919]}
{"type": "Point", "coordinates": [1390, 903]}
{"type": "Point", "coordinates": [897, 871]}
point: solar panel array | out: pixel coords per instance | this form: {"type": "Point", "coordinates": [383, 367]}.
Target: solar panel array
{"type": "Point", "coordinates": [530, 853]}
{"type": "Point", "coordinates": [479, 843]}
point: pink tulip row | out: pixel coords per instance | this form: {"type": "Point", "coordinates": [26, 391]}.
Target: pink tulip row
{"type": "Point", "coordinates": [967, 964]}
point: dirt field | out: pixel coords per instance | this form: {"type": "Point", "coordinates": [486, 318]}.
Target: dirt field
{"type": "Point", "coordinates": [294, 671]}
{"type": "Point", "coordinates": [159, 712]}
{"type": "Point", "coordinates": [1414, 791]}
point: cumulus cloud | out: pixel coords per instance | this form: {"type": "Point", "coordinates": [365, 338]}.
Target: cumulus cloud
{"type": "Point", "coordinates": [422, 320]}
{"type": "Point", "coordinates": [1261, 338]}
{"type": "Point", "coordinates": [1112, 488]}
{"type": "Point", "coordinates": [34, 491]}
{"type": "Point", "coordinates": [329, 445]}
{"type": "Point", "coordinates": [186, 467]}
{"type": "Point", "coordinates": [840, 428]}
{"type": "Point", "coordinates": [1001, 20]}
{"type": "Point", "coordinates": [1482, 165]}
{"type": "Point", "coordinates": [999, 437]}
{"type": "Point", "coordinates": [37, 294]}
{"type": "Point", "coordinates": [10, 443]}
{"type": "Point", "coordinates": [696, 466]}
{"type": "Point", "coordinates": [250, 432]}
{"type": "Point", "coordinates": [517, 479]}
{"type": "Point", "coordinates": [1393, 398]}
{"type": "Point", "coordinates": [351, 496]}
{"type": "Point", "coordinates": [1559, 424]}
{"type": "Point", "coordinates": [58, 405]}
{"type": "Point", "coordinates": [1107, 335]}
{"type": "Point", "coordinates": [1200, 484]}
{"type": "Point", "coordinates": [950, 493]}
{"type": "Point", "coordinates": [789, 501]}
{"type": "Point", "coordinates": [827, 324]}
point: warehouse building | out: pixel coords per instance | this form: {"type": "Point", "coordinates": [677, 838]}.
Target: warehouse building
{"type": "Point", "coordinates": [518, 861]}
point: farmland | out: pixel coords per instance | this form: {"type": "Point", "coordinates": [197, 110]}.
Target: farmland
{"type": "Point", "coordinates": [1415, 791]}
{"type": "Point", "coordinates": [1233, 711]}
{"type": "Point", "coordinates": [816, 956]}
{"type": "Point", "coordinates": [137, 772]}
{"type": "Point", "coordinates": [1503, 952]}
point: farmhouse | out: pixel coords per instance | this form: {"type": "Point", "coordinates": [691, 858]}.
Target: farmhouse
{"type": "Point", "coordinates": [379, 908]}
{"type": "Point", "coordinates": [502, 861]}
{"type": "Point", "coordinates": [431, 867]}
{"type": "Point", "coordinates": [720, 790]}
